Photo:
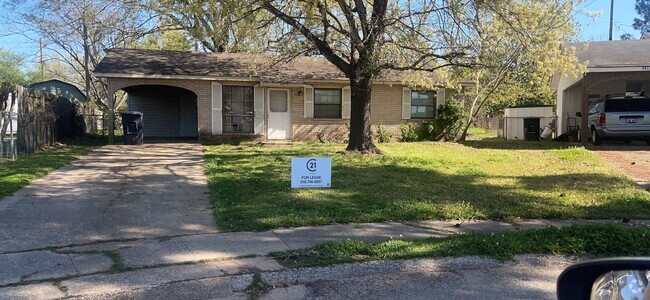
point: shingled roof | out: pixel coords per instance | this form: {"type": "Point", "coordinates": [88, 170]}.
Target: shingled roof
{"type": "Point", "coordinates": [604, 54]}
{"type": "Point", "coordinates": [158, 63]}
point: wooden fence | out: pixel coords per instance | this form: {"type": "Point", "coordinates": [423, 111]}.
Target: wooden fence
{"type": "Point", "coordinates": [27, 123]}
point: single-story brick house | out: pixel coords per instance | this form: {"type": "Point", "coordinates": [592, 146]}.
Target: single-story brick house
{"type": "Point", "coordinates": [613, 68]}
{"type": "Point", "coordinates": [206, 95]}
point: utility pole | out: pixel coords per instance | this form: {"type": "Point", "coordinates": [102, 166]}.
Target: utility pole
{"type": "Point", "coordinates": [611, 20]}
{"type": "Point", "coordinates": [40, 42]}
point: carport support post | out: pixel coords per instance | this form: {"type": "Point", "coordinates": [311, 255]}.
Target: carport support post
{"type": "Point", "coordinates": [585, 133]}
{"type": "Point", "coordinates": [111, 117]}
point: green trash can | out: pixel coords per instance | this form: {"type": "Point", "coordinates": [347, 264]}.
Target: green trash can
{"type": "Point", "coordinates": [531, 129]}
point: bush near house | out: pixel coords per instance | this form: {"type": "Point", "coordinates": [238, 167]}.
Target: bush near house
{"type": "Point", "coordinates": [444, 127]}
{"type": "Point", "coordinates": [412, 181]}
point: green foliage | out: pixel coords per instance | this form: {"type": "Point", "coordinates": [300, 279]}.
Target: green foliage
{"type": "Point", "coordinates": [383, 134]}
{"type": "Point", "coordinates": [166, 40]}
{"type": "Point", "coordinates": [218, 26]}
{"type": "Point", "coordinates": [596, 240]}
{"type": "Point", "coordinates": [642, 8]}
{"type": "Point", "coordinates": [448, 121]}
{"type": "Point", "coordinates": [516, 60]}
{"type": "Point", "coordinates": [409, 132]}
{"type": "Point", "coordinates": [444, 127]}
{"type": "Point", "coordinates": [10, 73]}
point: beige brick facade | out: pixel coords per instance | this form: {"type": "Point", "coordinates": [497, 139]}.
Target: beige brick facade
{"type": "Point", "coordinates": [386, 108]}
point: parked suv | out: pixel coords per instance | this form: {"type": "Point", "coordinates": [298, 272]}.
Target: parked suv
{"type": "Point", "coordinates": [620, 118]}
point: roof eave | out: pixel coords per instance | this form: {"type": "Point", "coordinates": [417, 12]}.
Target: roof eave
{"type": "Point", "coordinates": [185, 77]}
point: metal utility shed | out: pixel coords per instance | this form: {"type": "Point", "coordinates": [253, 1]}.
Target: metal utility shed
{"type": "Point", "coordinates": [517, 116]}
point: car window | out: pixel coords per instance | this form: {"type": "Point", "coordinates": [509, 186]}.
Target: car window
{"type": "Point", "coordinates": [595, 108]}
{"type": "Point", "coordinates": [619, 105]}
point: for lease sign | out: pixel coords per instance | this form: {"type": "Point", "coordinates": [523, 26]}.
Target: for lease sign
{"type": "Point", "coordinates": [311, 172]}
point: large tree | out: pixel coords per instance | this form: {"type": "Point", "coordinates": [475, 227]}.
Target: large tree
{"type": "Point", "coordinates": [218, 26]}
{"type": "Point", "coordinates": [365, 39]}
{"type": "Point", "coordinates": [519, 46]}
{"type": "Point", "coordinates": [78, 32]}
{"type": "Point", "coordinates": [642, 8]}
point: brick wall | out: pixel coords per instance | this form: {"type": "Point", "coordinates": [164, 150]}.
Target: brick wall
{"type": "Point", "coordinates": [386, 108]}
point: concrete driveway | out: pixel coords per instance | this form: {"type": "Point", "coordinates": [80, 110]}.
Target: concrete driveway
{"type": "Point", "coordinates": [115, 193]}
{"type": "Point", "coordinates": [632, 159]}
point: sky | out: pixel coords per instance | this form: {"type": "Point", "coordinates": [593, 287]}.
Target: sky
{"type": "Point", "coordinates": [591, 28]}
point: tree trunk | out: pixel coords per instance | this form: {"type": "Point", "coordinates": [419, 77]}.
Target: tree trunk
{"type": "Point", "coordinates": [360, 138]}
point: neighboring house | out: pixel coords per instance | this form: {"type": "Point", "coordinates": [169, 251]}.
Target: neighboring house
{"type": "Point", "coordinates": [62, 95]}
{"type": "Point", "coordinates": [614, 68]}
{"type": "Point", "coordinates": [190, 94]}
{"type": "Point", "coordinates": [60, 89]}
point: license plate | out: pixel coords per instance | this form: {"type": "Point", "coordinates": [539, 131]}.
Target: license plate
{"type": "Point", "coordinates": [630, 120]}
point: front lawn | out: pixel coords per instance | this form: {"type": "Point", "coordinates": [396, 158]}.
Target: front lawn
{"type": "Point", "coordinates": [413, 181]}
{"type": "Point", "coordinates": [16, 174]}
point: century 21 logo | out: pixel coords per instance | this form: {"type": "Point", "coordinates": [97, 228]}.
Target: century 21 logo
{"type": "Point", "coordinates": [311, 165]}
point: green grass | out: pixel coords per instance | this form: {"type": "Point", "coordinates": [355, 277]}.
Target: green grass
{"type": "Point", "coordinates": [476, 133]}
{"type": "Point", "coordinates": [592, 240]}
{"type": "Point", "coordinates": [491, 178]}
{"type": "Point", "coordinates": [16, 174]}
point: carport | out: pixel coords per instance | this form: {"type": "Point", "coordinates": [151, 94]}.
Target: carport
{"type": "Point", "coordinates": [168, 111]}
{"type": "Point", "coordinates": [614, 68]}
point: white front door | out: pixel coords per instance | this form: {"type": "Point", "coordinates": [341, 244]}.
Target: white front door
{"type": "Point", "coordinates": [279, 110]}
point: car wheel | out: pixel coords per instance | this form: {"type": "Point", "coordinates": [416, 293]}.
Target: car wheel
{"type": "Point", "coordinates": [595, 138]}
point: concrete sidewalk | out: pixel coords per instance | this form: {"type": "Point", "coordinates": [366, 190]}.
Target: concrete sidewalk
{"type": "Point", "coordinates": [114, 267]}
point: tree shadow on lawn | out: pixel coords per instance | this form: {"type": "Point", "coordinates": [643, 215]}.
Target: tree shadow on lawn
{"type": "Point", "coordinates": [501, 144]}
{"type": "Point", "coordinates": [260, 198]}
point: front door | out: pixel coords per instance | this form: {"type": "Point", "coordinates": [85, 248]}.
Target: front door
{"type": "Point", "coordinates": [279, 114]}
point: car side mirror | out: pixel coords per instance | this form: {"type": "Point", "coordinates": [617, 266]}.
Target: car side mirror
{"type": "Point", "coordinates": [578, 114]}
{"type": "Point", "coordinates": [614, 278]}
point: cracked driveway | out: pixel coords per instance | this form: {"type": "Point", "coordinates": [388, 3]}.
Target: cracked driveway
{"type": "Point", "coordinates": [114, 193]}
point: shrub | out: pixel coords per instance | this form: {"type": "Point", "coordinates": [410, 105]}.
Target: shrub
{"type": "Point", "coordinates": [448, 120]}
{"type": "Point", "coordinates": [409, 132]}
{"type": "Point", "coordinates": [444, 127]}
{"type": "Point", "coordinates": [383, 135]}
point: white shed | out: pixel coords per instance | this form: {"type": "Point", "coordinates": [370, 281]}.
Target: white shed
{"type": "Point", "coordinates": [515, 116]}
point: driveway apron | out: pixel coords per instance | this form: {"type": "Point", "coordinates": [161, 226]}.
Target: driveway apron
{"type": "Point", "coordinates": [117, 192]}
{"type": "Point", "coordinates": [633, 160]}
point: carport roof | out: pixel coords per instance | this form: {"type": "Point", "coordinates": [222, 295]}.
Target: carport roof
{"type": "Point", "coordinates": [161, 63]}
{"type": "Point", "coordinates": [604, 54]}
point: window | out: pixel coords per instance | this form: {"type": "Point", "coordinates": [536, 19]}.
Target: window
{"type": "Point", "coordinates": [423, 104]}
{"type": "Point", "coordinates": [327, 103]}
{"type": "Point", "coordinates": [238, 110]}
{"type": "Point", "coordinates": [278, 101]}
{"type": "Point", "coordinates": [633, 87]}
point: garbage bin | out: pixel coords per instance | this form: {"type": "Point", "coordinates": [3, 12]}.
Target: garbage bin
{"type": "Point", "coordinates": [132, 125]}
{"type": "Point", "coordinates": [531, 129]}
